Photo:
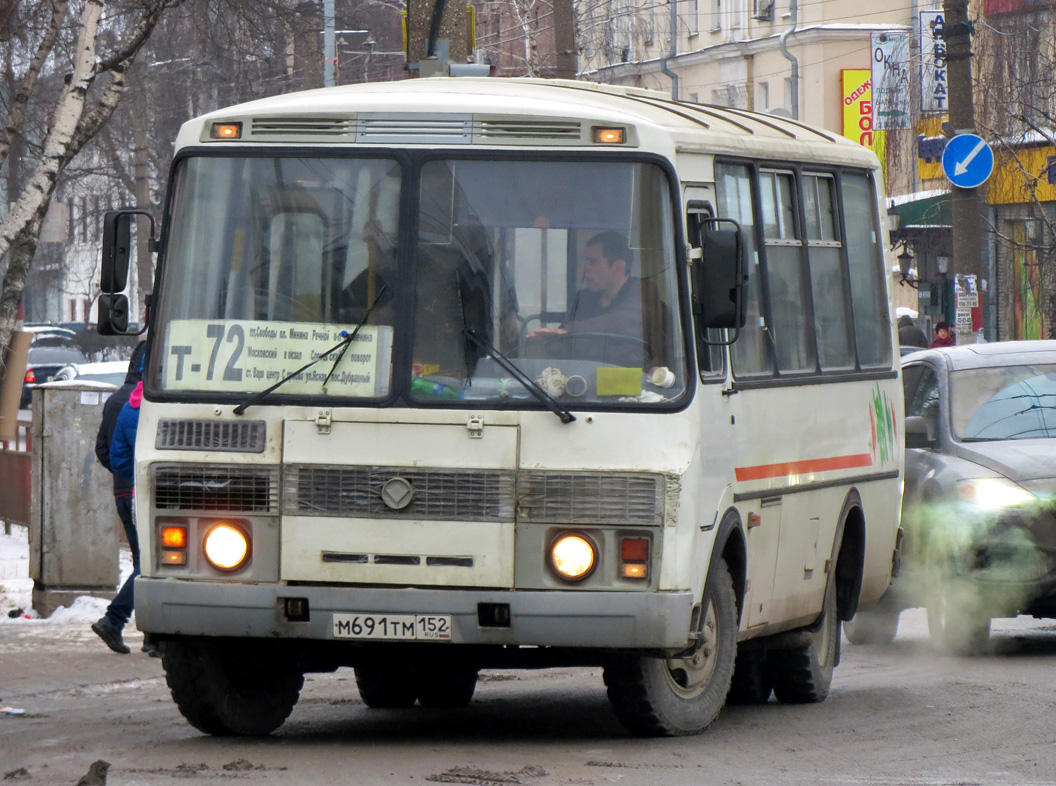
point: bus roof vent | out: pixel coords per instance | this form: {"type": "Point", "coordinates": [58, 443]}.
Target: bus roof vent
{"type": "Point", "coordinates": [536, 131]}
{"type": "Point", "coordinates": [414, 129]}
{"type": "Point", "coordinates": [300, 127]}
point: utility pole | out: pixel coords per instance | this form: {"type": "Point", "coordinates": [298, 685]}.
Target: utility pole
{"type": "Point", "coordinates": [564, 39]}
{"type": "Point", "coordinates": [431, 48]}
{"type": "Point", "coordinates": [969, 213]}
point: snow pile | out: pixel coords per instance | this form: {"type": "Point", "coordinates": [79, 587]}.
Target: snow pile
{"type": "Point", "coordinates": [16, 588]}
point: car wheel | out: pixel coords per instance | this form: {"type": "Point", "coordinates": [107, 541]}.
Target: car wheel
{"type": "Point", "coordinates": [956, 621]}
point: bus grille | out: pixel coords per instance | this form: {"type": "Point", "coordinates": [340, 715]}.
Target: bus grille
{"type": "Point", "coordinates": [516, 129]}
{"type": "Point", "coordinates": [243, 436]}
{"type": "Point", "coordinates": [216, 487]}
{"type": "Point", "coordinates": [442, 495]}
{"type": "Point", "coordinates": [585, 498]}
{"type": "Point", "coordinates": [303, 126]}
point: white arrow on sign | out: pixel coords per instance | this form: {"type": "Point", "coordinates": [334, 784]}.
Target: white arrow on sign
{"type": "Point", "coordinates": [962, 166]}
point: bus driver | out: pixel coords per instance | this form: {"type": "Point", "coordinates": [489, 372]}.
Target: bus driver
{"type": "Point", "coordinates": [610, 304]}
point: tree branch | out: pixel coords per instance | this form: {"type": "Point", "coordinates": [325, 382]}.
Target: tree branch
{"type": "Point", "coordinates": [17, 113]}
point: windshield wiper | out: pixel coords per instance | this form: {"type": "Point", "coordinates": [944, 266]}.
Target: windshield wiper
{"type": "Point", "coordinates": [533, 387]}
{"type": "Point", "coordinates": [342, 345]}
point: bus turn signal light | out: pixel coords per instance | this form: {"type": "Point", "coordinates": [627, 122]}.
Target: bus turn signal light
{"type": "Point", "coordinates": [227, 131]}
{"type": "Point", "coordinates": [634, 558]}
{"type": "Point", "coordinates": [174, 537]}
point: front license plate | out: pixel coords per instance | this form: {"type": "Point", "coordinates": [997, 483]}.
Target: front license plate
{"type": "Point", "coordinates": [393, 627]}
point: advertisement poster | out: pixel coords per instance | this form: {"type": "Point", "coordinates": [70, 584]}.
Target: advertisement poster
{"type": "Point", "coordinates": [891, 89]}
{"type": "Point", "coordinates": [857, 95]}
{"type": "Point", "coordinates": [934, 88]}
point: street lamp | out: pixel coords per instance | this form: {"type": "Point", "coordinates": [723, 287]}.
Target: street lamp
{"type": "Point", "coordinates": [943, 264]}
{"type": "Point", "coordinates": [905, 259]}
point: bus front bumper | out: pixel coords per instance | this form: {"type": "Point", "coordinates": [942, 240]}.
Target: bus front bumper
{"type": "Point", "coordinates": [632, 620]}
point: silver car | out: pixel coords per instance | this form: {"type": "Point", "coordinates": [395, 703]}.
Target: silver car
{"type": "Point", "coordinates": [979, 534]}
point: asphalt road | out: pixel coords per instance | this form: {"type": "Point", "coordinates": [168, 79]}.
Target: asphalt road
{"type": "Point", "coordinates": [900, 714]}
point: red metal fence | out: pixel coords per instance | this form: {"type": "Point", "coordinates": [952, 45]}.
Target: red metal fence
{"type": "Point", "coordinates": [16, 458]}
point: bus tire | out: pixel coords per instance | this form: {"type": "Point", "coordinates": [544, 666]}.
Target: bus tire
{"type": "Point", "coordinates": [751, 677]}
{"type": "Point", "coordinates": [385, 687]}
{"type": "Point", "coordinates": [446, 687]}
{"type": "Point", "coordinates": [680, 695]}
{"type": "Point", "coordinates": [231, 690]}
{"type": "Point", "coordinates": [803, 674]}
{"type": "Point", "coordinates": [875, 626]}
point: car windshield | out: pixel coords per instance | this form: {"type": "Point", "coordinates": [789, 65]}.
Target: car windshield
{"type": "Point", "coordinates": [565, 268]}
{"type": "Point", "coordinates": [1006, 402]}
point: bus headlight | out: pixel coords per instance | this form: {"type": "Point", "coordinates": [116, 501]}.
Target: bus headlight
{"type": "Point", "coordinates": [572, 557]}
{"type": "Point", "coordinates": [226, 546]}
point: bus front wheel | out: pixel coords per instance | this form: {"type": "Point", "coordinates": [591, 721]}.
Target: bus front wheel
{"type": "Point", "coordinates": [232, 689]}
{"type": "Point", "coordinates": [683, 693]}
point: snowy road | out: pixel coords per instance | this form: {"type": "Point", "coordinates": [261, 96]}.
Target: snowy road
{"type": "Point", "coordinates": [897, 715]}
{"type": "Point", "coordinates": [900, 714]}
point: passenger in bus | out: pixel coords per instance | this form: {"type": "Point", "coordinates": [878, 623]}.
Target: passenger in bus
{"type": "Point", "coordinates": [611, 304]}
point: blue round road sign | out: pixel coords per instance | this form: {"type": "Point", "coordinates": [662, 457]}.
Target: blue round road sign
{"type": "Point", "coordinates": [967, 161]}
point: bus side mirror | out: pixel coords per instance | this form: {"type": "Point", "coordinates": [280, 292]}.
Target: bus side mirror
{"type": "Point", "coordinates": [113, 315]}
{"type": "Point", "coordinates": [117, 253]}
{"type": "Point", "coordinates": [117, 250]}
{"type": "Point", "coordinates": [720, 284]}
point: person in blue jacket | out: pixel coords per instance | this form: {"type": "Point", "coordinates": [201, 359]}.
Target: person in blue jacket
{"type": "Point", "coordinates": [121, 462]}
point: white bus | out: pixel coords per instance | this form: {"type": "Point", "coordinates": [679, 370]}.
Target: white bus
{"type": "Point", "coordinates": [456, 374]}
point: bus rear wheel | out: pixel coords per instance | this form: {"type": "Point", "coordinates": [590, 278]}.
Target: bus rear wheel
{"type": "Point", "coordinates": [385, 687]}
{"type": "Point", "coordinates": [446, 687]}
{"type": "Point", "coordinates": [803, 674]}
{"type": "Point", "coordinates": [683, 693]}
{"type": "Point", "coordinates": [230, 689]}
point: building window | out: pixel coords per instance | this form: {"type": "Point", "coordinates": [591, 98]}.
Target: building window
{"type": "Point", "coordinates": [692, 16]}
{"type": "Point", "coordinates": [764, 97]}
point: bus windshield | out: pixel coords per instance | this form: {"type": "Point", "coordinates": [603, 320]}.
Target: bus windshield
{"type": "Point", "coordinates": [564, 270]}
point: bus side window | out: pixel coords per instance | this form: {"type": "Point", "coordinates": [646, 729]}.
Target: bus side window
{"type": "Point", "coordinates": [787, 285]}
{"type": "Point", "coordinates": [733, 188]}
{"type": "Point", "coordinates": [872, 328]}
{"type": "Point", "coordinates": [828, 275]}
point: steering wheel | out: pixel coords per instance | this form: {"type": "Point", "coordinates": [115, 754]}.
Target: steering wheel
{"type": "Point", "coordinates": [605, 344]}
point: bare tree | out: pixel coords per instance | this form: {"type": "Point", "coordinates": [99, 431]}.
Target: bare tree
{"type": "Point", "coordinates": [98, 49]}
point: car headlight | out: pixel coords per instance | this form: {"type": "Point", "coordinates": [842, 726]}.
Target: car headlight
{"type": "Point", "coordinates": [572, 557]}
{"type": "Point", "coordinates": [226, 546]}
{"type": "Point", "coordinates": [994, 493]}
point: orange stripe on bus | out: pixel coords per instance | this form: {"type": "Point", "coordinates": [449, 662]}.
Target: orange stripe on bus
{"type": "Point", "coordinates": [803, 467]}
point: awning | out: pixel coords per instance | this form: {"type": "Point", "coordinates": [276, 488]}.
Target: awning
{"type": "Point", "coordinates": [923, 209]}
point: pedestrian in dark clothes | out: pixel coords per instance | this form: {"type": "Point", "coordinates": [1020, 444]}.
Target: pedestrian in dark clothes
{"type": "Point", "coordinates": [109, 627]}
{"type": "Point", "coordinates": [943, 336]}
